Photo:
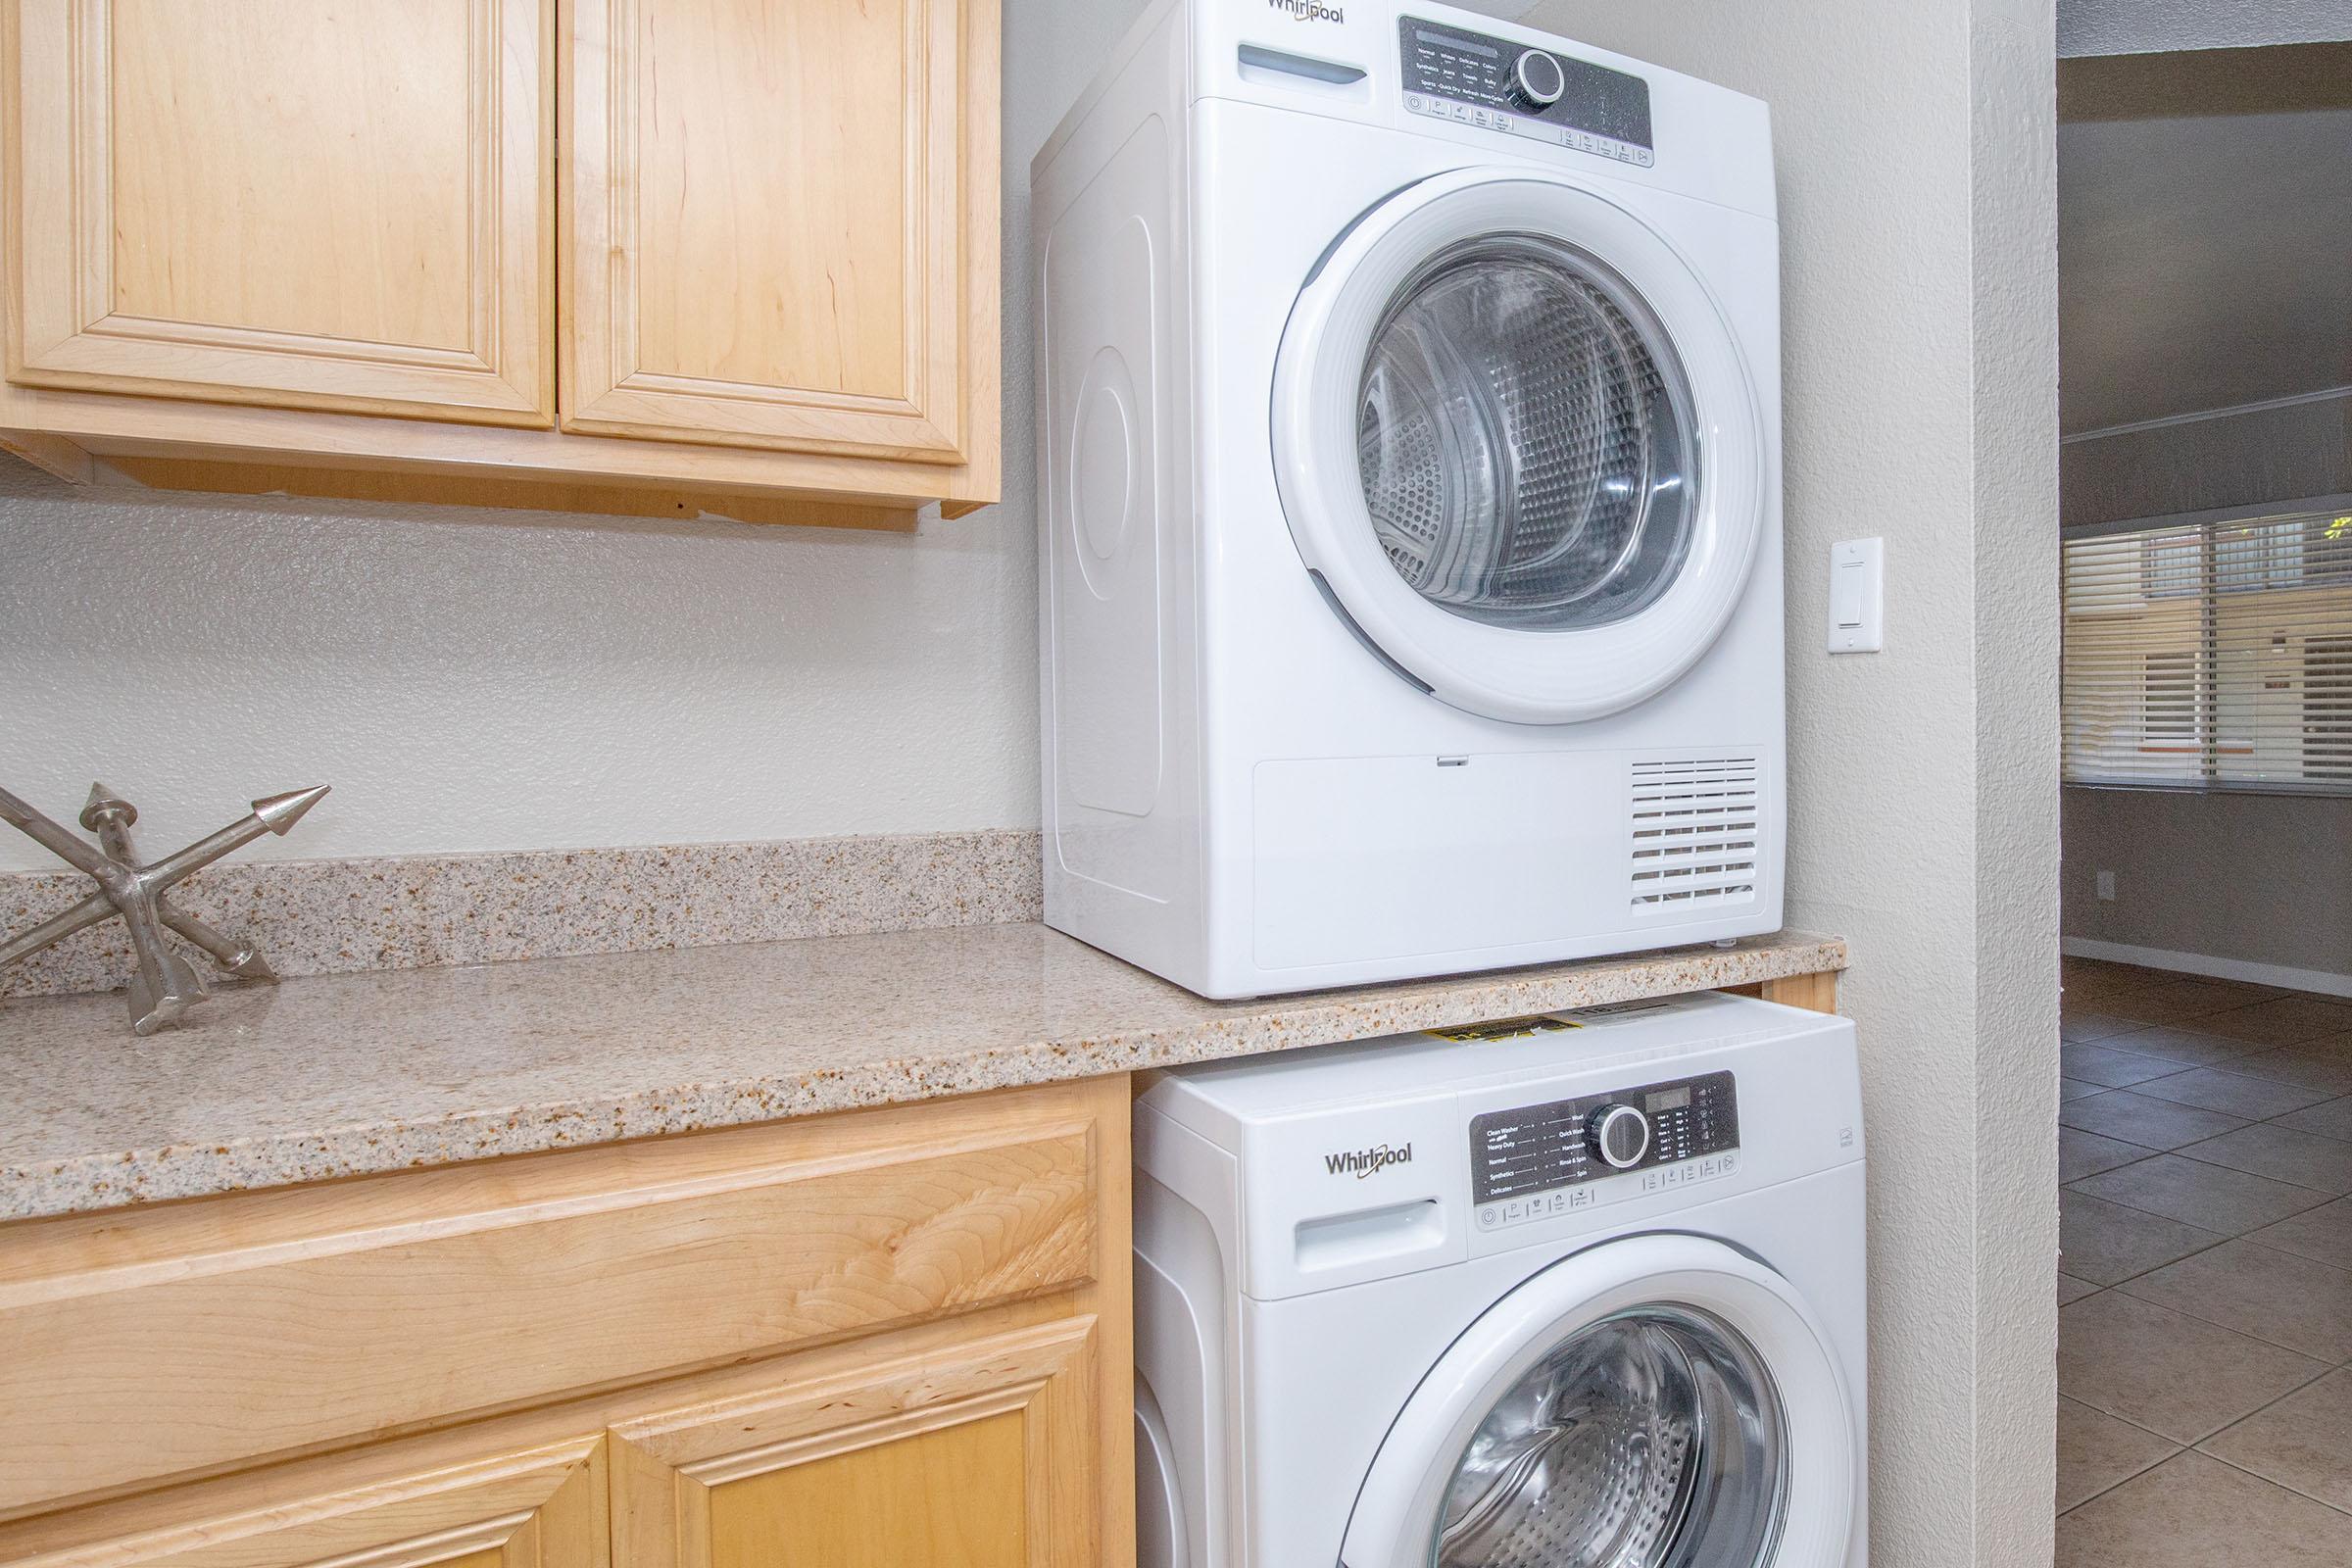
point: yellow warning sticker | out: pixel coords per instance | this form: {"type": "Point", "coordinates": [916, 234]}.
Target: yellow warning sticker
{"type": "Point", "coordinates": [1506, 1029]}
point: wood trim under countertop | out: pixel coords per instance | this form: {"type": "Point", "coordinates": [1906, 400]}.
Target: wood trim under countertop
{"type": "Point", "coordinates": [1815, 993]}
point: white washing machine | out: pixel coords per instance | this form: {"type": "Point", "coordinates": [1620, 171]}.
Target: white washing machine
{"type": "Point", "coordinates": [1578, 1292]}
{"type": "Point", "coordinates": [1409, 441]}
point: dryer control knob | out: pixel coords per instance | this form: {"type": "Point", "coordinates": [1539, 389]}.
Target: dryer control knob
{"type": "Point", "coordinates": [1537, 80]}
{"type": "Point", "coordinates": [1620, 1136]}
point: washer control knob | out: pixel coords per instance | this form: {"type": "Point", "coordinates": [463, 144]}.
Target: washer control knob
{"type": "Point", "coordinates": [1537, 80]}
{"type": "Point", "coordinates": [1620, 1136]}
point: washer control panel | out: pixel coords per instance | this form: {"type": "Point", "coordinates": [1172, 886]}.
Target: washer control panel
{"type": "Point", "coordinates": [1524, 90]}
{"type": "Point", "coordinates": [1535, 1161]}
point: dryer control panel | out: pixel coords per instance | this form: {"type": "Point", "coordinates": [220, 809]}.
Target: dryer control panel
{"type": "Point", "coordinates": [1535, 1161]}
{"type": "Point", "coordinates": [1524, 90]}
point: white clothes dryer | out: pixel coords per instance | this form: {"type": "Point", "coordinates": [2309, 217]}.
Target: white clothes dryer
{"type": "Point", "coordinates": [1583, 1291]}
{"type": "Point", "coordinates": [1408, 432]}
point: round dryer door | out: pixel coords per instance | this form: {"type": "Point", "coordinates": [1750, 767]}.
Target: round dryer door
{"type": "Point", "coordinates": [1664, 1401]}
{"type": "Point", "coordinates": [1518, 447]}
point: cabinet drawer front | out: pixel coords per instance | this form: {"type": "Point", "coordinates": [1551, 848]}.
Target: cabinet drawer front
{"type": "Point", "coordinates": [273, 1323]}
{"type": "Point", "coordinates": [283, 203]}
{"type": "Point", "coordinates": [780, 225]}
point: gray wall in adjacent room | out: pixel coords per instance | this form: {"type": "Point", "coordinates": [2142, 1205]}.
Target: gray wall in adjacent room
{"type": "Point", "coordinates": [2254, 878]}
{"type": "Point", "coordinates": [2253, 458]}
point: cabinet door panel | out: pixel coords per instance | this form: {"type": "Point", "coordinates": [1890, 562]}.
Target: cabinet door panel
{"type": "Point", "coordinates": [985, 1457]}
{"type": "Point", "coordinates": [768, 238]}
{"type": "Point", "coordinates": [284, 203]}
{"type": "Point", "coordinates": [545, 1506]}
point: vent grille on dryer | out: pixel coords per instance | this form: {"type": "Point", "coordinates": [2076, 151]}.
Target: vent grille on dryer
{"type": "Point", "coordinates": [1695, 825]}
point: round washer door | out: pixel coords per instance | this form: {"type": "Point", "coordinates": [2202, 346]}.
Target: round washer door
{"type": "Point", "coordinates": [1663, 1401]}
{"type": "Point", "coordinates": [1518, 447]}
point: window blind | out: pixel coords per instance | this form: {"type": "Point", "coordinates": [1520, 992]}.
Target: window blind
{"type": "Point", "coordinates": [2211, 655]}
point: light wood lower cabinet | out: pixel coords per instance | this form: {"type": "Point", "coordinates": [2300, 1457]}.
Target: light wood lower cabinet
{"type": "Point", "coordinates": [893, 1338]}
{"type": "Point", "coordinates": [961, 1461]}
{"type": "Point", "coordinates": [544, 1506]}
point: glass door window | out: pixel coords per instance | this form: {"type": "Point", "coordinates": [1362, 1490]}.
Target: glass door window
{"type": "Point", "coordinates": [1652, 1439]}
{"type": "Point", "coordinates": [1525, 438]}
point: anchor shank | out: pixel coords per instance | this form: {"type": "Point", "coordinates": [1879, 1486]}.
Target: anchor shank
{"type": "Point", "coordinates": [56, 839]}
{"type": "Point", "coordinates": [88, 912]}
{"type": "Point", "coordinates": [240, 959]}
{"type": "Point", "coordinates": [203, 853]}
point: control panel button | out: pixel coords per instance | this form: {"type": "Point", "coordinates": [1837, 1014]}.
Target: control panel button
{"type": "Point", "coordinates": [1537, 80]}
{"type": "Point", "coordinates": [1620, 1136]}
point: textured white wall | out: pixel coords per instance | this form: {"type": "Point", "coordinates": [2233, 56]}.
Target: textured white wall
{"type": "Point", "coordinates": [472, 680]}
{"type": "Point", "coordinates": [1914, 149]}
{"type": "Point", "coordinates": [490, 680]}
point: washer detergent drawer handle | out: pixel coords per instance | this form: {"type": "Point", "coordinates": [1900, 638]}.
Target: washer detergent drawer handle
{"type": "Point", "coordinates": [1344, 1241]}
{"type": "Point", "coordinates": [1398, 1507]}
{"type": "Point", "coordinates": [1257, 59]}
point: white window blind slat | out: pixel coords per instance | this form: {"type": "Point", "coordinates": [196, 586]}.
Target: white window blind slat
{"type": "Point", "coordinates": [2211, 655]}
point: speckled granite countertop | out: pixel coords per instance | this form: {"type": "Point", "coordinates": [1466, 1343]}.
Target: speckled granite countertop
{"type": "Point", "coordinates": [346, 1075]}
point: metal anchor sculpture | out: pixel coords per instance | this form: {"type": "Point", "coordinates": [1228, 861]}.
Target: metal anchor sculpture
{"type": "Point", "coordinates": [163, 986]}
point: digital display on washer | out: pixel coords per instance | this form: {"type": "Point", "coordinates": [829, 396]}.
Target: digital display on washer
{"type": "Point", "coordinates": [1555, 94]}
{"type": "Point", "coordinates": [1540, 1149]}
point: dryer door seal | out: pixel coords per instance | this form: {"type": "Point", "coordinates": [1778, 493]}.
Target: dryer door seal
{"type": "Point", "coordinates": [1663, 1401]}
{"type": "Point", "coordinates": [1515, 438]}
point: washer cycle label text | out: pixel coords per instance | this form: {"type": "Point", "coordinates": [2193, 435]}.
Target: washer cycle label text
{"type": "Point", "coordinates": [1363, 1162]}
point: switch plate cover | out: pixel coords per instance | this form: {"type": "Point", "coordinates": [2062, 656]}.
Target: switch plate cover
{"type": "Point", "coordinates": [1857, 596]}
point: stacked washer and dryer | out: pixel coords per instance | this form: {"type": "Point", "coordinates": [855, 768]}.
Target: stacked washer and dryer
{"type": "Point", "coordinates": [1408, 440]}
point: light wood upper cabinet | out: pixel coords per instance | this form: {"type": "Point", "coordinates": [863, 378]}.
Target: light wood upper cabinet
{"type": "Point", "coordinates": [285, 203]}
{"type": "Point", "coordinates": [778, 224]}
{"type": "Point", "coordinates": [645, 257]}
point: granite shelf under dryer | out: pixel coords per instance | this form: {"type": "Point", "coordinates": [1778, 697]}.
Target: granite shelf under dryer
{"type": "Point", "coordinates": [359, 1074]}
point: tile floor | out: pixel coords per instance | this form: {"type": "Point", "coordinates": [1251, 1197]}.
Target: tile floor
{"type": "Point", "coordinates": [2205, 1285]}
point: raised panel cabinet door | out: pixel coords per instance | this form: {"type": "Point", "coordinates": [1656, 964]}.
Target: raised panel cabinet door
{"type": "Point", "coordinates": [981, 1457]}
{"type": "Point", "coordinates": [543, 1507]}
{"type": "Point", "coordinates": [285, 202]}
{"type": "Point", "coordinates": [779, 223]}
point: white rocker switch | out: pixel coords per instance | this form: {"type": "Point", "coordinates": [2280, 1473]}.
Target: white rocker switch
{"type": "Point", "coordinates": [1857, 596]}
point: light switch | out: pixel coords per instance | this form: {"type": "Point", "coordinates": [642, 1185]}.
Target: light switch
{"type": "Point", "coordinates": [1857, 596]}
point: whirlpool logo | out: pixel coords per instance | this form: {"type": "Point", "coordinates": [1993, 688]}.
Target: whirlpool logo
{"type": "Point", "coordinates": [1309, 10]}
{"type": "Point", "coordinates": [1363, 1162]}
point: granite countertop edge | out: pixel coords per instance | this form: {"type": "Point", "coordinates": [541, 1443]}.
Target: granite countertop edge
{"type": "Point", "coordinates": [717, 1087]}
